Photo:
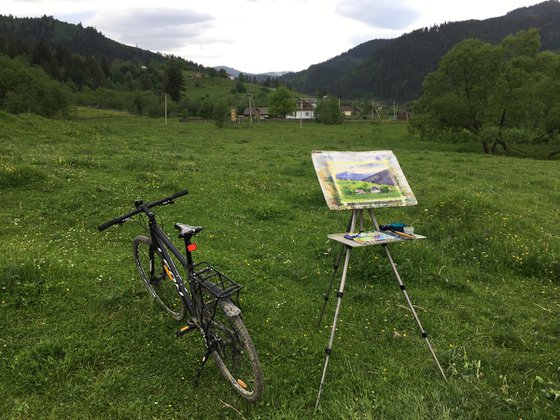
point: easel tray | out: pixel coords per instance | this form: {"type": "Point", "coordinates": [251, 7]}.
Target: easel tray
{"type": "Point", "coordinates": [373, 237]}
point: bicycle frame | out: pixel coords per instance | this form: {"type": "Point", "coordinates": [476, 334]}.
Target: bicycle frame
{"type": "Point", "coordinates": [162, 242]}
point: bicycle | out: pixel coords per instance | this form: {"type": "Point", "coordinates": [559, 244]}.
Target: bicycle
{"type": "Point", "coordinates": [207, 302]}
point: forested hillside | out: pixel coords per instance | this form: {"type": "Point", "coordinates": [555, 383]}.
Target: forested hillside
{"type": "Point", "coordinates": [316, 80]}
{"type": "Point", "coordinates": [398, 68]}
{"type": "Point", "coordinates": [20, 34]}
{"type": "Point", "coordinates": [48, 65]}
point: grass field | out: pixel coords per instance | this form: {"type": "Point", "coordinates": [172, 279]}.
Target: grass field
{"type": "Point", "coordinates": [80, 338]}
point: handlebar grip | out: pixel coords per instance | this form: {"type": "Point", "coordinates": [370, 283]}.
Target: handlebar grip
{"type": "Point", "coordinates": [172, 197]}
{"type": "Point", "coordinates": [179, 194]}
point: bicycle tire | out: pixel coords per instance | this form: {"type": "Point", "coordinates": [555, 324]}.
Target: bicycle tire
{"type": "Point", "coordinates": [162, 285]}
{"type": "Point", "coordinates": [235, 354]}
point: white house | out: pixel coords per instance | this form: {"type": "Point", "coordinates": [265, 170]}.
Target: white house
{"type": "Point", "coordinates": [305, 110]}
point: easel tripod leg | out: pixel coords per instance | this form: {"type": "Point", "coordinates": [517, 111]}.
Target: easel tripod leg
{"type": "Point", "coordinates": [403, 288]}
{"type": "Point", "coordinates": [349, 228]}
{"type": "Point", "coordinates": [329, 289]}
{"type": "Point", "coordinates": [333, 329]}
{"type": "Point", "coordinates": [414, 314]}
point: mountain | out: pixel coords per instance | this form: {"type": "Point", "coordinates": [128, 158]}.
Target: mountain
{"type": "Point", "coordinates": [316, 80]}
{"type": "Point", "coordinates": [395, 69]}
{"type": "Point", "coordinates": [382, 177]}
{"type": "Point", "coordinates": [230, 70]}
{"type": "Point", "coordinates": [259, 76]}
{"type": "Point", "coordinates": [84, 41]}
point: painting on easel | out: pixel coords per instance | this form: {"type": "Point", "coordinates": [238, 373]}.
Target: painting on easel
{"type": "Point", "coordinates": [358, 180]}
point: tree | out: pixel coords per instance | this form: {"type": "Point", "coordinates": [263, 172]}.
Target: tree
{"type": "Point", "coordinates": [223, 73]}
{"type": "Point", "coordinates": [328, 112]}
{"type": "Point", "coordinates": [239, 87]}
{"type": "Point", "coordinates": [30, 89]}
{"type": "Point", "coordinates": [220, 113]}
{"type": "Point", "coordinates": [281, 102]}
{"type": "Point", "coordinates": [173, 83]}
{"type": "Point", "coordinates": [496, 94]}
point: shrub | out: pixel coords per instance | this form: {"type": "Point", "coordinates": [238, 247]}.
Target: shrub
{"type": "Point", "coordinates": [29, 89]}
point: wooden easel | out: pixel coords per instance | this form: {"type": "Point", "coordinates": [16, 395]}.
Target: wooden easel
{"type": "Point", "coordinates": [346, 245]}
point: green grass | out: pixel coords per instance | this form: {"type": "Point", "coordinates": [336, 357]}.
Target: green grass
{"type": "Point", "coordinates": [79, 336]}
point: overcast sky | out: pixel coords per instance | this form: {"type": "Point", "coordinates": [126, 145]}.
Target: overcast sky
{"type": "Point", "coordinates": [257, 36]}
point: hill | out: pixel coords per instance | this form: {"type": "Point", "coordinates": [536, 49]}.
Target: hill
{"type": "Point", "coordinates": [317, 79]}
{"type": "Point", "coordinates": [84, 41]}
{"type": "Point", "coordinates": [396, 68]}
{"type": "Point", "coordinates": [93, 70]}
{"type": "Point", "coordinates": [257, 76]}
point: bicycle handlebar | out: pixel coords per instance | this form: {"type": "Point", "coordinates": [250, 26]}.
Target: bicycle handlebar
{"type": "Point", "coordinates": [140, 208]}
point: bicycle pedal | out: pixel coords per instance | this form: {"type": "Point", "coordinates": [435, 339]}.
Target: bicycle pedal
{"type": "Point", "coordinates": [186, 329]}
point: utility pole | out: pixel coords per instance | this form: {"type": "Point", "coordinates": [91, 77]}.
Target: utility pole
{"type": "Point", "coordinates": [165, 106]}
{"type": "Point", "coordinates": [300, 112]}
{"type": "Point", "coordinates": [377, 108]}
{"type": "Point", "coordinates": [250, 95]}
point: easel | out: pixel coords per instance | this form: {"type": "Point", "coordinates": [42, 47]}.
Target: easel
{"type": "Point", "coordinates": [347, 245]}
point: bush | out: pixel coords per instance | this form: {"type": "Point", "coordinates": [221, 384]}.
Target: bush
{"type": "Point", "coordinates": [220, 113]}
{"type": "Point", "coordinates": [29, 89]}
{"type": "Point", "coordinates": [328, 112]}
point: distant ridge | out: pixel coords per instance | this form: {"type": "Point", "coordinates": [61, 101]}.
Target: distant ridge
{"type": "Point", "coordinates": [260, 76]}
{"type": "Point", "coordinates": [395, 69]}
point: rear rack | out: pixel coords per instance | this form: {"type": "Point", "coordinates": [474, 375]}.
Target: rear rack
{"type": "Point", "coordinates": [218, 284]}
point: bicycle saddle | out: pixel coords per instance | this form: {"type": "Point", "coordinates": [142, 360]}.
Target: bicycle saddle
{"type": "Point", "coordinates": [186, 230]}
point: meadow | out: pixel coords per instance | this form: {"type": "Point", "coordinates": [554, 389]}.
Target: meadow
{"type": "Point", "coordinates": [80, 337]}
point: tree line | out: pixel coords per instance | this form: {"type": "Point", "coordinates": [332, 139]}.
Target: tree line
{"type": "Point", "coordinates": [500, 95]}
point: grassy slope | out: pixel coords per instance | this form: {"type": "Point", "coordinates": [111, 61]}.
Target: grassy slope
{"type": "Point", "coordinates": [80, 338]}
{"type": "Point", "coordinates": [216, 87]}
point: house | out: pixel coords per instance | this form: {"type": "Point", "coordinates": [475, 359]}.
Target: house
{"type": "Point", "coordinates": [305, 110]}
{"type": "Point", "coordinates": [403, 114]}
{"type": "Point", "coordinates": [349, 110]}
{"type": "Point", "coordinates": [259, 112]}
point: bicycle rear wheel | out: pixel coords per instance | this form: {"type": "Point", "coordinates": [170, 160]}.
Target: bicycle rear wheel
{"type": "Point", "coordinates": [158, 276]}
{"type": "Point", "coordinates": [232, 349]}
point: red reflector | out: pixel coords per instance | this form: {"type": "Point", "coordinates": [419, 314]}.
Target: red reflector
{"type": "Point", "coordinates": [191, 247]}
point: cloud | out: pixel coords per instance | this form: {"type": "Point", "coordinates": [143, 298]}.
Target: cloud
{"type": "Point", "coordinates": [383, 14]}
{"type": "Point", "coordinates": [156, 29]}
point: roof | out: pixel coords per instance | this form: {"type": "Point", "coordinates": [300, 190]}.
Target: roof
{"type": "Point", "coordinates": [258, 110]}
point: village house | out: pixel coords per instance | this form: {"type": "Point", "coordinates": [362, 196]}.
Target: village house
{"type": "Point", "coordinates": [259, 112]}
{"type": "Point", "coordinates": [305, 110]}
{"type": "Point", "coordinates": [349, 110]}
{"type": "Point", "coordinates": [403, 114]}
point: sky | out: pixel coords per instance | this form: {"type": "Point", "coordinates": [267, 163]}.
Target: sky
{"type": "Point", "coordinates": [257, 36]}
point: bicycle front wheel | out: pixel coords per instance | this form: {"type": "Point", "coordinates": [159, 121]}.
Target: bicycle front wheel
{"type": "Point", "coordinates": [234, 352]}
{"type": "Point", "coordinates": [159, 277]}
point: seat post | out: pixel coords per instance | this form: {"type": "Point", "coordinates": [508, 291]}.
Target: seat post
{"type": "Point", "coordinates": [188, 253]}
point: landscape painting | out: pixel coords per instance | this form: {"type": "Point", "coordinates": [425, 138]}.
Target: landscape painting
{"type": "Point", "coordinates": [354, 180]}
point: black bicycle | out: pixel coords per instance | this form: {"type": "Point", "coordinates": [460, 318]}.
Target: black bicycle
{"type": "Point", "coordinates": [205, 300]}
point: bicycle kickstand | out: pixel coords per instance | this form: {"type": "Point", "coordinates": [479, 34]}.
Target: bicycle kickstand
{"type": "Point", "coordinates": [202, 363]}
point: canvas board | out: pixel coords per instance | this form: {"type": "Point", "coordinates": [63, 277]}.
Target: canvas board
{"type": "Point", "coordinates": [359, 180]}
